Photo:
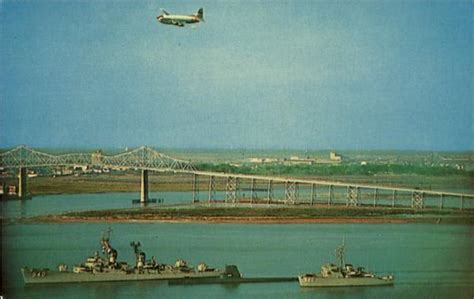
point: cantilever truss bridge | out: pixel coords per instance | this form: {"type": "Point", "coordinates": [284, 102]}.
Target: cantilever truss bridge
{"type": "Point", "coordinates": [140, 158]}
{"type": "Point", "coordinates": [263, 189]}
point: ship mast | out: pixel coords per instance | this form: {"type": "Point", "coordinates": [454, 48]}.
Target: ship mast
{"type": "Point", "coordinates": [140, 255]}
{"type": "Point", "coordinates": [340, 254]}
{"type": "Point", "coordinates": [107, 248]}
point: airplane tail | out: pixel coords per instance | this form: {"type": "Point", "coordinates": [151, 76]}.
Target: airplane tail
{"type": "Point", "coordinates": [200, 14]}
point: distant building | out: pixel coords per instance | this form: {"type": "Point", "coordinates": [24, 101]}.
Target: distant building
{"type": "Point", "coordinates": [80, 167]}
{"type": "Point", "coordinates": [118, 168]}
{"type": "Point", "coordinates": [297, 160]}
{"type": "Point", "coordinates": [63, 171]}
{"type": "Point", "coordinates": [263, 160]}
{"type": "Point", "coordinates": [335, 157]}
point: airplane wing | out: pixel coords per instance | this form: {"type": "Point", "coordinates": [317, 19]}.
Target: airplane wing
{"type": "Point", "coordinates": [178, 23]}
{"type": "Point", "coordinates": [164, 11]}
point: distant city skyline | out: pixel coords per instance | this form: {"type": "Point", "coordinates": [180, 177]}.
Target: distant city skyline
{"type": "Point", "coordinates": [383, 75]}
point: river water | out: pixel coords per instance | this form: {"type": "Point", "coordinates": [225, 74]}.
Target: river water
{"type": "Point", "coordinates": [428, 260]}
{"type": "Point", "coordinates": [55, 204]}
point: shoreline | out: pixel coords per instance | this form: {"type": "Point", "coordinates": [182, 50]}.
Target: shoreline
{"type": "Point", "coordinates": [250, 220]}
{"type": "Point", "coordinates": [257, 215]}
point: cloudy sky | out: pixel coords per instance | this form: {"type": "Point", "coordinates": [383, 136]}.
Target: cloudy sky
{"type": "Point", "coordinates": [271, 74]}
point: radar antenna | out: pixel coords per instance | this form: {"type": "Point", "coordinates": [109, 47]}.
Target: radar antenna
{"type": "Point", "coordinates": [106, 234]}
{"type": "Point", "coordinates": [136, 246]}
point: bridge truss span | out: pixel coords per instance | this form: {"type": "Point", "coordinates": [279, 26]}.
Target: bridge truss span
{"type": "Point", "coordinates": [141, 158]}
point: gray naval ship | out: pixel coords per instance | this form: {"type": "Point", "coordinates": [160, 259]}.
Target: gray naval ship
{"type": "Point", "coordinates": [104, 268]}
{"type": "Point", "coordinates": [343, 275]}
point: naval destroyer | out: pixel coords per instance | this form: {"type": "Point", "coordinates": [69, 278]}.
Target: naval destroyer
{"type": "Point", "coordinates": [343, 275]}
{"type": "Point", "coordinates": [106, 267]}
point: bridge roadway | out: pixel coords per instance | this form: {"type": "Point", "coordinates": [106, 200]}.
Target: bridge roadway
{"type": "Point", "coordinates": [326, 183]}
{"type": "Point", "coordinates": [353, 196]}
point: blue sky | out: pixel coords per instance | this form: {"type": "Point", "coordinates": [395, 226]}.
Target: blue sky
{"type": "Point", "coordinates": [271, 74]}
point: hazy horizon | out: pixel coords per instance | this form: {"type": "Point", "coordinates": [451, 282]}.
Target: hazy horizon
{"type": "Point", "coordinates": [115, 150]}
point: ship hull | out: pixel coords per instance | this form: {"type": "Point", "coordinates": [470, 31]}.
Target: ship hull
{"type": "Point", "coordinates": [71, 277]}
{"type": "Point", "coordinates": [235, 280]}
{"type": "Point", "coordinates": [343, 282]}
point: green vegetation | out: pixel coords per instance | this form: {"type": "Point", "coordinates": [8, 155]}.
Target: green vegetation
{"type": "Point", "coordinates": [339, 169]}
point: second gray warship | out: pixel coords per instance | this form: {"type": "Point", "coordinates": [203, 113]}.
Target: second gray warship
{"type": "Point", "coordinates": [343, 275]}
{"type": "Point", "coordinates": [99, 268]}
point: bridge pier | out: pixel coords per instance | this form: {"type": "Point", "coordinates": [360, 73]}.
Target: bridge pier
{"type": "Point", "coordinates": [232, 189]}
{"type": "Point", "coordinates": [331, 195]}
{"type": "Point", "coordinates": [417, 200]}
{"type": "Point", "coordinates": [270, 191]}
{"type": "Point", "coordinates": [144, 187]}
{"type": "Point", "coordinates": [212, 189]}
{"type": "Point", "coordinates": [375, 196]}
{"type": "Point", "coordinates": [291, 192]}
{"type": "Point", "coordinates": [352, 196]}
{"type": "Point", "coordinates": [22, 183]}
{"type": "Point", "coordinates": [195, 188]}
{"type": "Point", "coordinates": [313, 194]}
{"type": "Point", "coordinates": [253, 194]}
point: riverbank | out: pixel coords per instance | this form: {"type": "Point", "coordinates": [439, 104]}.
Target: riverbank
{"type": "Point", "coordinates": [264, 215]}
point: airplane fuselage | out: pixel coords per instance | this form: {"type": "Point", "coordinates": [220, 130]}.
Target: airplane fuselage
{"type": "Point", "coordinates": [178, 20]}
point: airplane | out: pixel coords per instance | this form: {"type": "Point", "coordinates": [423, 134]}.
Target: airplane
{"type": "Point", "coordinates": [179, 20]}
